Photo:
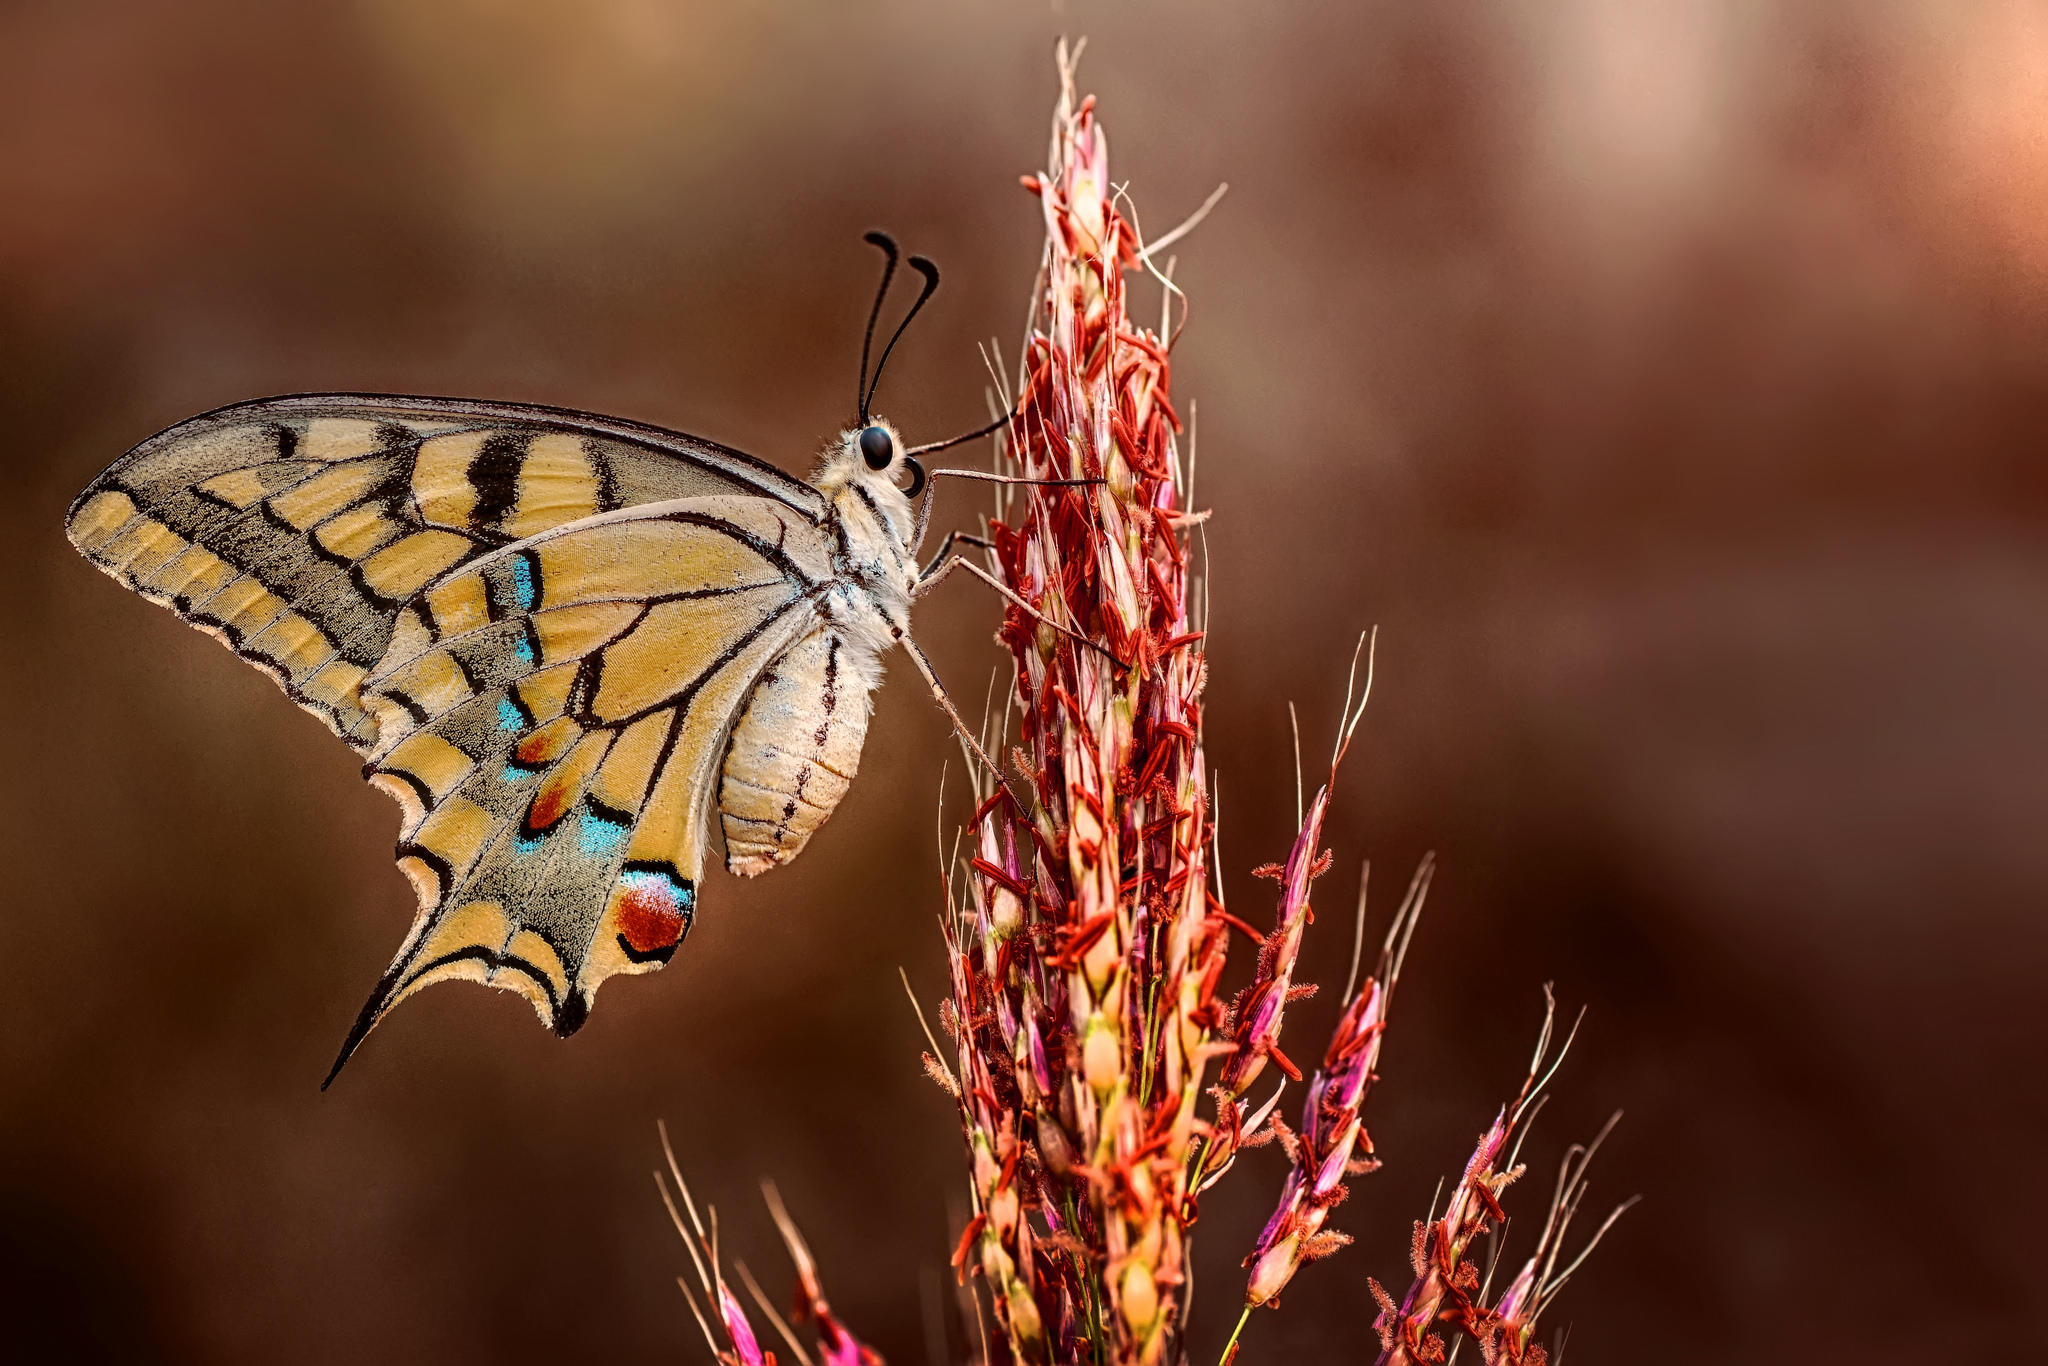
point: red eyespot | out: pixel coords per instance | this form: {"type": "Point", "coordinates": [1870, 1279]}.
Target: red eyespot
{"type": "Point", "coordinates": [653, 911]}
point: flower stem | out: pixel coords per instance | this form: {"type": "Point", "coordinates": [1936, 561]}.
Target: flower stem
{"type": "Point", "coordinates": [1231, 1346]}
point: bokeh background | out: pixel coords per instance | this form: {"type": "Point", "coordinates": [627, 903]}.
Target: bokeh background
{"type": "Point", "coordinates": [1666, 378]}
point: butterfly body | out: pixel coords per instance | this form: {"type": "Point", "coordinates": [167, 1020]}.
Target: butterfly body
{"type": "Point", "coordinates": [561, 642]}
{"type": "Point", "coordinates": [797, 744]}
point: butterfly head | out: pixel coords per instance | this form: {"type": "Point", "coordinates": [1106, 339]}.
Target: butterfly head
{"type": "Point", "coordinates": [881, 450]}
{"type": "Point", "coordinates": [872, 459]}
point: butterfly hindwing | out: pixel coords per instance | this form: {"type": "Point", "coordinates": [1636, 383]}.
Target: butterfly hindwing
{"type": "Point", "coordinates": [551, 718]}
{"type": "Point", "coordinates": [294, 529]}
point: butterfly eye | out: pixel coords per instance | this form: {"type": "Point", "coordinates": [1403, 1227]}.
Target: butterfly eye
{"type": "Point", "coordinates": [877, 448]}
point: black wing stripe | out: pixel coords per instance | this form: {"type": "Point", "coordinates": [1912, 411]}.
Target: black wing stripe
{"type": "Point", "coordinates": [710, 455]}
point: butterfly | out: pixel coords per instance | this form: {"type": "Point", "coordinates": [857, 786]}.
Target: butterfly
{"type": "Point", "coordinates": [563, 643]}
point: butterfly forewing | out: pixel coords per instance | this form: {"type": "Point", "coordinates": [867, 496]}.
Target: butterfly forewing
{"type": "Point", "coordinates": [551, 717]}
{"type": "Point", "coordinates": [294, 529]}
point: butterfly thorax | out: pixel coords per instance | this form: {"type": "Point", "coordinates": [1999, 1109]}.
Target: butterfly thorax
{"type": "Point", "coordinates": [872, 527]}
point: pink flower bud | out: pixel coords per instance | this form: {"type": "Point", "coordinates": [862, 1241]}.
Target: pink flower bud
{"type": "Point", "coordinates": [741, 1333]}
{"type": "Point", "coordinates": [1273, 1270]}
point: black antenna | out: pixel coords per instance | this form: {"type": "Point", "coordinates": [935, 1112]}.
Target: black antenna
{"type": "Point", "coordinates": [888, 246]}
{"type": "Point", "coordinates": [931, 283]}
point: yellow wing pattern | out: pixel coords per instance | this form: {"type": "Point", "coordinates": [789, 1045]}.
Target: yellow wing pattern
{"type": "Point", "coordinates": [551, 719]}
{"type": "Point", "coordinates": [294, 529]}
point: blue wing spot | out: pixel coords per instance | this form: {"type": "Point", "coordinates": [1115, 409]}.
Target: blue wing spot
{"type": "Point", "coordinates": [524, 649]}
{"type": "Point", "coordinates": [522, 581]}
{"type": "Point", "coordinates": [599, 836]}
{"type": "Point", "coordinates": [526, 842]}
{"type": "Point", "coordinates": [509, 715]}
{"type": "Point", "coordinates": [515, 774]}
{"type": "Point", "coordinates": [662, 883]}
{"type": "Point", "coordinates": [661, 879]}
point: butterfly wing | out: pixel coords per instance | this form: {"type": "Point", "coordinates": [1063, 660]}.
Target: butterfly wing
{"type": "Point", "coordinates": [295, 528]}
{"type": "Point", "coordinates": [551, 718]}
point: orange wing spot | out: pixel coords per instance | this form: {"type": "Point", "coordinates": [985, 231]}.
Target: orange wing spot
{"type": "Point", "coordinates": [550, 804]}
{"type": "Point", "coordinates": [548, 743]}
{"type": "Point", "coordinates": [560, 789]}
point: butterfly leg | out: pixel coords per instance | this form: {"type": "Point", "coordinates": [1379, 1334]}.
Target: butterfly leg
{"type": "Point", "coordinates": [949, 560]}
{"type": "Point", "coordinates": [940, 566]}
{"type": "Point", "coordinates": [924, 666]}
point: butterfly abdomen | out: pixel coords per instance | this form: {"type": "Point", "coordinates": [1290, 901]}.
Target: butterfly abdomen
{"type": "Point", "coordinates": [795, 750]}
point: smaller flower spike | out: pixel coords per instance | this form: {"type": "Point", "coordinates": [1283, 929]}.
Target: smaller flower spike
{"type": "Point", "coordinates": [1506, 1330]}
{"type": "Point", "coordinates": [1447, 1288]}
{"type": "Point", "coordinates": [741, 1347]}
{"type": "Point", "coordinates": [1262, 1006]}
{"type": "Point", "coordinates": [1330, 1128]}
{"type": "Point", "coordinates": [836, 1346]}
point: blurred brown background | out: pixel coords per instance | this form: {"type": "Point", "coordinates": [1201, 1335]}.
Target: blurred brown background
{"type": "Point", "coordinates": [1665, 377]}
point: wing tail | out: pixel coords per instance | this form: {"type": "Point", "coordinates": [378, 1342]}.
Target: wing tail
{"type": "Point", "coordinates": [478, 945]}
